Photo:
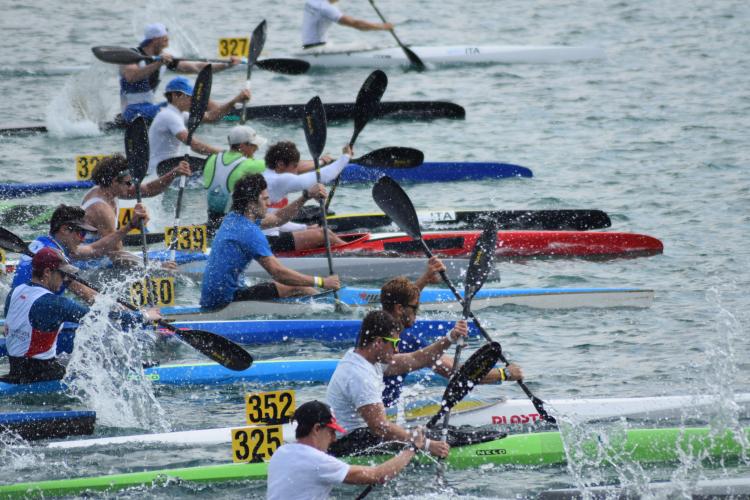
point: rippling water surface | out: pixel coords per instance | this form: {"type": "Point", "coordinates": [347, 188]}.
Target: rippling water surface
{"type": "Point", "coordinates": [655, 135]}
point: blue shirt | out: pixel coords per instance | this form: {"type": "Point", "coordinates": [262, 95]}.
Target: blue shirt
{"type": "Point", "coordinates": [409, 342]}
{"type": "Point", "coordinates": [237, 242]}
{"type": "Point", "coordinates": [23, 271]}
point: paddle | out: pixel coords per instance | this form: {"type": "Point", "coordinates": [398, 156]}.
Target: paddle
{"type": "Point", "coordinates": [136, 151]}
{"type": "Point", "coordinates": [365, 107]}
{"type": "Point", "coordinates": [257, 41]}
{"type": "Point", "coordinates": [391, 157]}
{"type": "Point", "coordinates": [396, 204]}
{"type": "Point", "coordinates": [124, 55]}
{"type": "Point", "coordinates": [315, 126]}
{"type": "Point", "coordinates": [413, 58]}
{"type": "Point", "coordinates": [215, 347]}
{"type": "Point", "coordinates": [461, 383]}
{"type": "Point", "coordinates": [198, 105]}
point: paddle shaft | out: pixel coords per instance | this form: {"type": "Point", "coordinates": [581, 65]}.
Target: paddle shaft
{"type": "Point", "coordinates": [410, 55]}
{"type": "Point", "coordinates": [538, 403]}
{"type": "Point", "coordinates": [144, 246]}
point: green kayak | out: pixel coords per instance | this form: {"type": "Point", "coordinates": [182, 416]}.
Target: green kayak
{"type": "Point", "coordinates": [543, 448]}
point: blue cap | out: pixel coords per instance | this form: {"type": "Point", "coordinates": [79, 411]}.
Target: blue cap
{"type": "Point", "coordinates": [179, 84]}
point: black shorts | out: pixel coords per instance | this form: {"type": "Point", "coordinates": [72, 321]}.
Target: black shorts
{"type": "Point", "coordinates": [261, 291]}
{"type": "Point", "coordinates": [28, 370]}
{"type": "Point", "coordinates": [284, 242]}
{"type": "Point", "coordinates": [196, 165]}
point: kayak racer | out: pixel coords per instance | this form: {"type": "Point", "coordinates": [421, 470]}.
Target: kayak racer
{"type": "Point", "coordinates": [240, 240]}
{"type": "Point", "coordinates": [318, 17]}
{"type": "Point", "coordinates": [139, 81]}
{"type": "Point", "coordinates": [355, 390]}
{"type": "Point", "coordinates": [400, 298]}
{"type": "Point", "coordinates": [35, 312]}
{"type": "Point", "coordinates": [303, 470]}
{"type": "Point", "coordinates": [67, 231]}
{"type": "Point", "coordinates": [169, 128]}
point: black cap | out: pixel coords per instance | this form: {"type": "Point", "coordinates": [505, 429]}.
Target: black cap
{"type": "Point", "coordinates": [74, 216]}
{"type": "Point", "coordinates": [315, 412]}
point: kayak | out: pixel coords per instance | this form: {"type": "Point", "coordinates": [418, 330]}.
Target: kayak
{"type": "Point", "coordinates": [34, 425]}
{"type": "Point", "coordinates": [450, 55]}
{"type": "Point", "coordinates": [510, 413]}
{"type": "Point", "coordinates": [431, 299]}
{"type": "Point", "coordinates": [510, 244]}
{"type": "Point", "coordinates": [337, 111]}
{"type": "Point", "coordinates": [251, 332]}
{"type": "Point", "coordinates": [540, 220]}
{"type": "Point", "coordinates": [731, 487]}
{"type": "Point", "coordinates": [529, 449]}
{"type": "Point", "coordinates": [353, 174]}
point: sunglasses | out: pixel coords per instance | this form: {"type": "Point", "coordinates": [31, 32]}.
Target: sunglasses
{"type": "Point", "coordinates": [392, 341]}
{"type": "Point", "coordinates": [77, 230]}
{"type": "Point", "coordinates": [415, 307]}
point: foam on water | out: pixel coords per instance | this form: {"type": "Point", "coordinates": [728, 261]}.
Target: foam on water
{"type": "Point", "coordinates": [105, 370]}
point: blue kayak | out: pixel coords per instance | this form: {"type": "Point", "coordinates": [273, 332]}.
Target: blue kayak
{"type": "Point", "coordinates": [274, 331]}
{"type": "Point", "coordinates": [48, 424]}
{"type": "Point", "coordinates": [427, 172]}
{"type": "Point", "coordinates": [288, 371]}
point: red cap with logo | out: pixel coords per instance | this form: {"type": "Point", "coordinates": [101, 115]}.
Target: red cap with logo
{"type": "Point", "coordinates": [49, 258]}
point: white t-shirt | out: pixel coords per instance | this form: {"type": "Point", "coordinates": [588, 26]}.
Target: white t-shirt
{"type": "Point", "coordinates": [280, 185]}
{"type": "Point", "coordinates": [162, 140]}
{"type": "Point", "coordinates": [318, 17]}
{"type": "Point", "coordinates": [355, 383]}
{"type": "Point", "coordinates": [299, 471]}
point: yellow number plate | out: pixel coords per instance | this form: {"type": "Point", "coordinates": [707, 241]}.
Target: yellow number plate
{"type": "Point", "coordinates": [2, 257]}
{"type": "Point", "coordinates": [253, 444]}
{"type": "Point", "coordinates": [274, 407]}
{"type": "Point", "coordinates": [161, 292]}
{"type": "Point", "coordinates": [85, 165]}
{"type": "Point", "coordinates": [124, 216]}
{"type": "Point", "coordinates": [190, 238]}
{"type": "Point", "coordinates": [234, 47]}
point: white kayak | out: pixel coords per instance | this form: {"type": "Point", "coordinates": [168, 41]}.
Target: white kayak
{"type": "Point", "coordinates": [458, 54]}
{"type": "Point", "coordinates": [512, 412]}
{"type": "Point", "coordinates": [733, 487]}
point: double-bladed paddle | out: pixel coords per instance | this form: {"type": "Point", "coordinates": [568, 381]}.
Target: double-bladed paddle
{"type": "Point", "coordinates": [198, 105]}
{"type": "Point", "coordinates": [137, 152]}
{"type": "Point", "coordinates": [461, 383]}
{"type": "Point", "coordinates": [257, 41]}
{"type": "Point", "coordinates": [124, 55]}
{"type": "Point", "coordinates": [316, 129]}
{"type": "Point", "coordinates": [392, 200]}
{"type": "Point", "coordinates": [215, 347]}
{"type": "Point", "coordinates": [365, 107]}
{"type": "Point", "coordinates": [413, 58]}
{"type": "Point", "coordinates": [390, 157]}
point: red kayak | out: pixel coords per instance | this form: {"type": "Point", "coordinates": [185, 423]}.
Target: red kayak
{"type": "Point", "coordinates": [510, 244]}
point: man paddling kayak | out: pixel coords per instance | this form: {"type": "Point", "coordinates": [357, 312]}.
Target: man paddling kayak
{"type": "Point", "coordinates": [240, 240]}
{"type": "Point", "coordinates": [67, 230]}
{"type": "Point", "coordinates": [34, 314]}
{"type": "Point", "coordinates": [355, 391]}
{"type": "Point", "coordinates": [318, 17]}
{"type": "Point", "coordinates": [400, 298]}
{"type": "Point", "coordinates": [113, 181]}
{"type": "Point", "coordinates": [169, 129]}
{"type": "Point", "coordinates": [304, 471]}
{"type": "Point", "coordinates": [139, 81]}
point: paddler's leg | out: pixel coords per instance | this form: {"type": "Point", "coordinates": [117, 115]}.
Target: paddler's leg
{"type": "Point", "coordinates": [28, 370]}
{"type": "Point", "coordinates": [271, 290]}
{"type": "Point", "coordinates": [302, 240]}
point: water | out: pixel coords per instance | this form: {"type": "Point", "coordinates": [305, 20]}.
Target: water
{"type": "Point", "coordinates": [655, 135]}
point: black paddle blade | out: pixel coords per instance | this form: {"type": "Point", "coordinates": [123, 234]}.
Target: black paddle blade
{"type": "Point", "coordinates": [217, 348]}
{"type": "Point", "coordinates": [368, 101]}
{"type": "Point", "coordinates": [391, 157]}
{"type": "Point", "coordinates": [414, 59]}
{"type": "Point", "coordinates": [461, 383]}
{"type": "Point", "coordinates": [284, 66]}
{"type": "Point", "coordinates": [118, 55]}
{"type": "Point", "coordinates": [314, 123]}
{"type": "Point", "coordinates": [396, 204]}
{"type": "Point", "coordinates": [199, 101]}
{"type": "Point", "coordinates": [480, 264]}
{"type": "Point", "coordinates": [13, 243]}
{"type": "Point", "coordinates": [136, 149]}
{"type": "Point", "coordinates": [257, 41]}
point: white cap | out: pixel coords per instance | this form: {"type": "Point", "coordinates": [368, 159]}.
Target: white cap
{"type": "Point", "coordinates": [154, 30]}
{"type": "Point", "coordinates": [242, 134]}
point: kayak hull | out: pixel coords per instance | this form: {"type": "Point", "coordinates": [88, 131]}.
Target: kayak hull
{"type": "Point", "coordinates": [533, 449]}
{"type": "Point", "coordinates": [450, 55]}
